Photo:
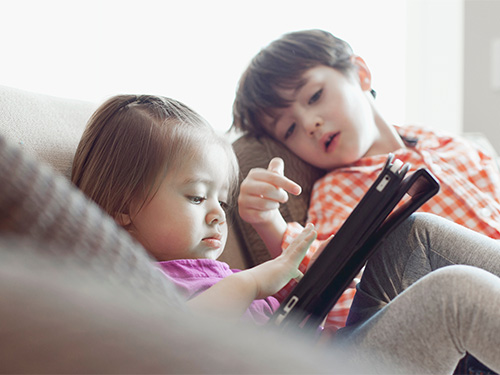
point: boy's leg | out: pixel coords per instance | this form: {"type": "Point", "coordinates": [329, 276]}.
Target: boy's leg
{"type": "Point", "coordinates": [420, 245]}
{"type": "Point", "coordinates": [429, 327]}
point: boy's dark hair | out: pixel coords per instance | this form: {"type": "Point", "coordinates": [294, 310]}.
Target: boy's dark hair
{"type": "Point", "coordinates": [281, 65]}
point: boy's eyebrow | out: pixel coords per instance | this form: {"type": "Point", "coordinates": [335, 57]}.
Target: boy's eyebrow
{"type": "Point", "coordinates": [275, 120]}
{"type": "Point", "coordinates": [295, 91]}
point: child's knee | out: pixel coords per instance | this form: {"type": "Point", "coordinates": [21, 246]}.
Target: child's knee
{"type": "Point", "coordinates": [462, 281]}
{"type": "Point", "coordinates": [425, 230]}
{"type": "Point", "coordinates": [423, 222]}
{"type": "Point", "coordinates": [415, 225]}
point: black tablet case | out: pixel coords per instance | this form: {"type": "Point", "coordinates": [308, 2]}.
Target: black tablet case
{"type": "Point", "coordinates": [369, 223]}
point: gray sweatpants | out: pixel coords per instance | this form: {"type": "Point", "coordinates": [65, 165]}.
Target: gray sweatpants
{"type": "Point", "coordinates": [428, 295]}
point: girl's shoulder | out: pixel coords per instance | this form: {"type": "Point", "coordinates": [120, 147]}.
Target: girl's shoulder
{"type": "Point", "coordinates": [195, 268]}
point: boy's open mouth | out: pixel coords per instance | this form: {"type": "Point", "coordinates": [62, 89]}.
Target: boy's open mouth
{"type": "Point", "coordinates": [330, 139]}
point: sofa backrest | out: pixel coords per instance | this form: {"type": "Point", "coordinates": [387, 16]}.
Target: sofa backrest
{"type": "Point", "coordinates": [46, 126]}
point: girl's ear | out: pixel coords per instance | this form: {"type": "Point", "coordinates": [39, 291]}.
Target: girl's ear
{"type": "Point", "coordinates": [364, 74]}
{"type": "Point", "coordinates": [123, 219]}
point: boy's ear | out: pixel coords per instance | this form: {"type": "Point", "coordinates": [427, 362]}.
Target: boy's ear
{"type": "Point", "coordinates": [123, 219]}
{"type": "Point", "coordinates": [364, 74]}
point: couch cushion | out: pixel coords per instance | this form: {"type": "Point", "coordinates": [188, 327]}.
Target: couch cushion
{"type": "Point", "coordinates": [46, 126]}
{"type": "Point", "coordinates": [253, 153]}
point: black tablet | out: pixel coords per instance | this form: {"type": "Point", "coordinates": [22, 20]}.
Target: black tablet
{"type": "Point", "coordinates": [373, 218]}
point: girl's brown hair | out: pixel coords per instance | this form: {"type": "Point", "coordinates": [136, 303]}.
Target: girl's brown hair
{"type": "Point", "coordinates": [131, 142]}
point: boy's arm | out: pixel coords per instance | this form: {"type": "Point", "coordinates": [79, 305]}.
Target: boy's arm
{"type": "Point", "coordinates": [261, 193]}
{"type": "Point", "coordinates": [233, 295]}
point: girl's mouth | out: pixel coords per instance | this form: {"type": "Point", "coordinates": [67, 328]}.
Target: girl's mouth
{"type": "Point", "coordinates": [212, 242]}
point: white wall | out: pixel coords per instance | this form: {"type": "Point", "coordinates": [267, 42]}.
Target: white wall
{"type": "Point", "coordinates": [434, 65]}
{"type": "Point", "coordinates": [196, 50]}
{"type": "Point", "coordinates": [481, 106]}
{"type": "Point", "coordinates": [192, 50]}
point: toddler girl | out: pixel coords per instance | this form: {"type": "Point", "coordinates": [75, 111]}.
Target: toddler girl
{"type": "Point", "coordinates": [165, 176]}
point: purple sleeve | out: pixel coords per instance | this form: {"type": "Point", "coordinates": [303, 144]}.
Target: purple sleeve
{"type": "Point", "coordinates": [193, 276]}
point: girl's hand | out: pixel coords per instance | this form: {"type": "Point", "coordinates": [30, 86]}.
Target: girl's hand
{"type": "Point", "coordinates": [273, 275]}
{"type": "Point", "coordinates": [231, 296]}
{"type": "Point", "coordinates": [262, 192]}
{"type": "Point", "coordinates": [318, 252]}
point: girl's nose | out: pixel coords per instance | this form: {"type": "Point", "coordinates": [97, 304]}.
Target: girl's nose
{"type": "Point", "coordinates": [216, 215]}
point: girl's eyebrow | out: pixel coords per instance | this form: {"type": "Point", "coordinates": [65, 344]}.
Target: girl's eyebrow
{"type": "Point", "coordinates": [203, 181]}
{"type": "Point", "coordinates": [196, 180]}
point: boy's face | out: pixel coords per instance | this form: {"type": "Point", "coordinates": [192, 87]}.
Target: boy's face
{"type": "Point", "coordinates": [186, 218]}
{"type": "Point", "coordinates": [330, 122]}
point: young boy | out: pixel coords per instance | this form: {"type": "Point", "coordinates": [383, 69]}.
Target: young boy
{"type": "Point", "coordinates": [310, 92]}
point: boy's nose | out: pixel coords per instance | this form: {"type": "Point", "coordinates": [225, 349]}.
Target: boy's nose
{"type": "Point", "coordinates": [314, 127]}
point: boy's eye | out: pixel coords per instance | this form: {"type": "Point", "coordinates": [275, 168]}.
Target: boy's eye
{"type": "Point", "coordinates": [316, 96]}
{"type": "Point", "coordinates": [290, 131]}
{"type": "Point", "coordinates": [224, 206]}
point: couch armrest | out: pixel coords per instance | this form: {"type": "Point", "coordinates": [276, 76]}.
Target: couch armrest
{"type": "Point", "coordinates": [48, 127]}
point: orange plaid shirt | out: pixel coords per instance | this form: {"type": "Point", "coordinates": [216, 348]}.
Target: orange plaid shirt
{"type": "Point", "coordinates": [469, 194]}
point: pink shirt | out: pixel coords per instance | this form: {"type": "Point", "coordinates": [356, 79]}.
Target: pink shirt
{"type": "Point", "coordinates": [193, 276]}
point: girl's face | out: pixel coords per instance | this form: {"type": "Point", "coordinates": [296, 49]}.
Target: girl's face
{"type": "Point", "coordinates": [186, 218]}
{"type": "Point", "coordinates": [330, 122]}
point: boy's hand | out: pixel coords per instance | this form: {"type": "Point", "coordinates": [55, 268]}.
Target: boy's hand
{"type": "Point", "coordinates": [273, 275]}
{"type": "Point", "coordinates": [262, 192]}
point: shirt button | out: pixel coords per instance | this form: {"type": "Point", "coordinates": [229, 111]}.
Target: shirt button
{"type": "Point", "coordinates": [485, 212]}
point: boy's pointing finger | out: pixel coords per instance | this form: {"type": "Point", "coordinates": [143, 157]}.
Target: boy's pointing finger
{"type": "Point", "coordinates": [277, 165]}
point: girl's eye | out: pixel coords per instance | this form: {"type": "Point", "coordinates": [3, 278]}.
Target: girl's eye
{"type": "Point", "coordinates": [290, 131]}
{"type": "Point", "coordinates": [316, 96]}
{"type": "Point", "coordinates": [196, 200]}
